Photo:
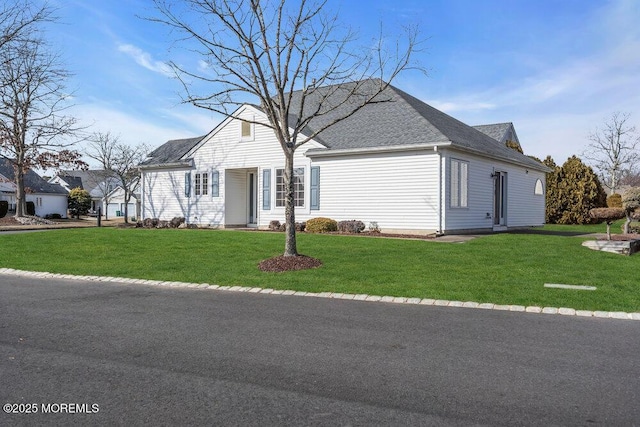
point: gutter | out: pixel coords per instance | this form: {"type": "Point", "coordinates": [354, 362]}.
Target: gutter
{"type": "Point", "coordinates": [319, 152]}
{"type": "Point", "coordinates": [187, 164]}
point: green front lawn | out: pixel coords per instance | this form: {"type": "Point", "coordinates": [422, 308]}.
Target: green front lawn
{"type": "Point", "coordinates": [501, 268]}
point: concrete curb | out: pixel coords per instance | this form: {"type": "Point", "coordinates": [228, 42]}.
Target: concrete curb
{"type": "Point", "coordinates": [562, 311]}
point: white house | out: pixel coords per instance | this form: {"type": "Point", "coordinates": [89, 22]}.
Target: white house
{"type": "Point", "coordinates": [48, 199]}
{"type": "Point", "coordinates": [402, 164]}
{"type": "Point", "coordinates": [104, 188]}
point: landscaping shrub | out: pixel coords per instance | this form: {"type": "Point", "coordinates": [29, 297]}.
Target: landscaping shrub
{"type": "Point", "coordinates": [31, 209]}
{"type": "Point", "coordinates": [631, 205]}
{"type": "Point", "coordinates": [150, 222]}
{"type": "Point", "coordinates": [4, 208]}
{"type": "Point", "coordinates": [321, 225]}
{"type": "Point", "coordinates": [614, 201]}
{"type": "Point", "coordinates": [608, 215]}
{"type": "Point", "coordinates": [374, 227]}
{"type": "Point", "coordinates": [351, 226]}
{"type": "Point", "coordinates": [79, 202]}
{"type": "Point", "coordinates": [275, 225]}
{"type": "Point", "coordinates": [53, 216]}
{"type": "Point", "coordinates": [176, 221]}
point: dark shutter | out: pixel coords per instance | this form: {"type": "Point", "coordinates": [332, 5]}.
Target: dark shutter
{"type": "Point", "coordinates": [215, 184]}
{"type": "Point", "coordinates": [187, 184]}
{"type": "Point", "coordinates": [315, 188]}
{"type": "Point", "coordinates": [266, 189]}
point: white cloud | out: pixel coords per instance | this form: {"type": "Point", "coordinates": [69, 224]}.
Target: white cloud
{"type": "Point", "coordinates": [146, 60]}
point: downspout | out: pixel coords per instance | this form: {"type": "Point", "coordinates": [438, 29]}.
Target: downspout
{"type": "Point", "coordinates": [141, 194]}
{"type": "Point", "coordinates": [439, 230]}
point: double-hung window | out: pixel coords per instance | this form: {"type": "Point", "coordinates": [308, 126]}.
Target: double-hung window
{"type": "Point", "coordinates": [298, 187]}
{"type": "Point", "coordinates": [459, 183]}
{"type": "Point", "coordinates": [201, 184]}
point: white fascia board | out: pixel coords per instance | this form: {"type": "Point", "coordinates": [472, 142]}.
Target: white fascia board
{"type": "Point", "coordinates": [186, 164]}
{"type": "Point", "coordinates": [374, 150]}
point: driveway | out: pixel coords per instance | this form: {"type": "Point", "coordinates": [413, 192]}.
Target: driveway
{"type": "Point", "coordinates": [134, 354]}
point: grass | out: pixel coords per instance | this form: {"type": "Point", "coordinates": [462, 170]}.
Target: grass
{"type": "Point", "coordinates": [500, 268]}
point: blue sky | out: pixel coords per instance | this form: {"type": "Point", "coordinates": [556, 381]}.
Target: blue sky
{"type": "Point", "coordinates": [555, 68]}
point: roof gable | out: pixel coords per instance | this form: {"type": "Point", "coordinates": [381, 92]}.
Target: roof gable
{"type": "Point", "coordinates": [33, 182]}
{"type": "Point", "coordinates": [171, 151]}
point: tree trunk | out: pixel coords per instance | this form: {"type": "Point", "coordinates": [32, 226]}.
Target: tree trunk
{"type": "Point", "coordinates": [127, 197]}
{"type": "Point", "coordinates": [21, 203]}
{"type": "Point", "coordinates": [290, 246]}
{"type": "Point", "coordinates": [627, 222]}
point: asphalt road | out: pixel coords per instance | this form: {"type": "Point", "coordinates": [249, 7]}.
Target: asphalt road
{"type": "Point", "coordinates": [130, 355]}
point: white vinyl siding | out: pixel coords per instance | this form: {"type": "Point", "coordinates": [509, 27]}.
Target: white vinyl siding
{"type": "Point", "coordinates": [523, 208]}
{"type": "Point", "coordinates": [399, 191]}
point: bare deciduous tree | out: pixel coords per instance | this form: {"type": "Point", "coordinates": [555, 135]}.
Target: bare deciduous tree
{"type": "Point", "coordinates": [291, 59]}
{"type": "Point", "coordinates": [614, 150]}
{"type": "Point", "coordinates": [120, 161]}
{"type": "Point", "coordinates": [34, 131]}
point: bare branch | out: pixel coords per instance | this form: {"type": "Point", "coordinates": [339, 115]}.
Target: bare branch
{"type": "Point", "coordinates": [291, 59]}
{"type": "Point", "coordinates": [614, 150]}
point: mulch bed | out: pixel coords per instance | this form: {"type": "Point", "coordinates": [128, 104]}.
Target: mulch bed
{"type": "Point", "coordinates": [623, 237]}
{"type": "Point", "coordinates": [9, 220]}
{"type": "Point", "coordinates": [289, 263]}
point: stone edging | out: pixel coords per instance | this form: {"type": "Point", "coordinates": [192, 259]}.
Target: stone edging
{"type": "Point", "coordinates": [356, 297]}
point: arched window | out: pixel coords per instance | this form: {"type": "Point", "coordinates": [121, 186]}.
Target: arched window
{"type": "Point", "coordinates": [539, 189]}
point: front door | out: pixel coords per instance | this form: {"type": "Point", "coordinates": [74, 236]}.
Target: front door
{"type": "Point", "coordinates": [500, 199]}
{"type": "Point", "coordinates": [252, 183]}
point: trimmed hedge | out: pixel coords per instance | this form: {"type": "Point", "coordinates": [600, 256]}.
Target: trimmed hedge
{"type": "Point", "coordinates": [4, 208]}
{"type": "Point", "coordinates": [614, 201]}
{"type": "Point", "coordinates": [321, 225]}
{"type": "Point", "coordinates": [351, 226]}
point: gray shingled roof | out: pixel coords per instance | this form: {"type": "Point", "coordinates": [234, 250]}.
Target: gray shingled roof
{"type": "Point", "coordinates": [496, 131]}
{"type": "Point", "coordinates": [171, 151]}
{"type": "Point", "coordinates": [396, 120]}
{"type": "Point", "coordinates": [399, 121]}
{"type": "Point", "coordinates": [32, 181]}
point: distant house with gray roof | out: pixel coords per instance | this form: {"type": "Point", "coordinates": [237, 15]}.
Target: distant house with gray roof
{"type": "Point", "coordinates": [48, 199]}
{"type": "Point", "coordinates": [399, 163]}
{"type": "Point", "coordinates": [104, 188]}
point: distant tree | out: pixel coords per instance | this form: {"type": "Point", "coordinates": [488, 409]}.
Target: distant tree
{"type": "Point", "coordinates": [291, 59]}
{"type": "Point", "coordinates": [34, 130]}
{"type": "Point", "coordinates": [79, 202]}
{"type": "Point", "coordinates": [553, 202]}
{"type": "Point", "coordinates": [121, 160]}
{"type": "Point", "coordinates": [631, 178]}
{"type": "Point", "coordinates": [514, 146]}
{"type": "Point", "coordinates": [572, 191]}
{"type": "Point", "coordinates": [614, 149]}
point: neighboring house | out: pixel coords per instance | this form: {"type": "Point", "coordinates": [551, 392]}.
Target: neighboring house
{"type": "Point", "coordinates": [104, 188]}
{"type": "Point", "coordinates": [48, 198]}
{"type": "Point", "coordinates": [402, 164]}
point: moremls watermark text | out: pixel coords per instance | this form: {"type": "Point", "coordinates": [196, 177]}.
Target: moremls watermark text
{"type": "Point", "coordinates": [51, 408]}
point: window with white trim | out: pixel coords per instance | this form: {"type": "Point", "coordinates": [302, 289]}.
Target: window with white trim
{"type": "Point", "coordinates": [459, 183]}
{"type": "Point", "coordinates": [539, 188]}
{"type": "Point", "coordinates": [298, 187]}
{"type": "Point", "coordinates": [201, 184]}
